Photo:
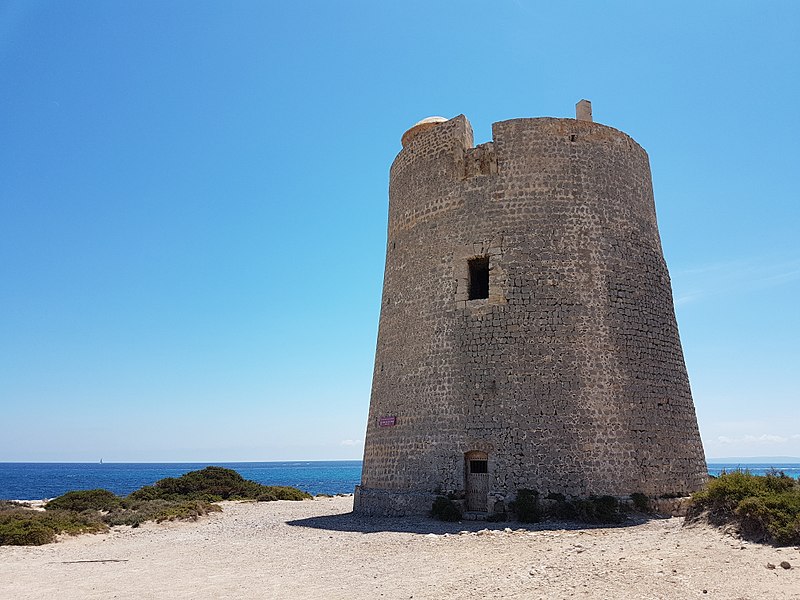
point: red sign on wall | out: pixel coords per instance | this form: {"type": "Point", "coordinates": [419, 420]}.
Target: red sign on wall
{"type": "Point", "coordinates": [387, 421]}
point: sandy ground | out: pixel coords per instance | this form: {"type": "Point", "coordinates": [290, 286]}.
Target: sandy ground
{"type": "Point", "coordinates": [317, 549]}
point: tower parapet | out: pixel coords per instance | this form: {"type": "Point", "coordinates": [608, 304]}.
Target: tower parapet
{"type": "Point", "coordinates": [527, 336]}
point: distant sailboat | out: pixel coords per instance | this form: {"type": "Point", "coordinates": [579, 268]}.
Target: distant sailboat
{"type": "Point", "coordinates": [101, 461]}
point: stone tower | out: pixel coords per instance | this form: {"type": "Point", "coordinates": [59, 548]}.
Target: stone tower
{"type": "Point", "coordinates": [527, 334]}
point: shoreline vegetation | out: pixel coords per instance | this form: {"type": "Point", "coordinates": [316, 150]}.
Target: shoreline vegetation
{"type": "Point", "coordinates": [759, 508]}
{"type": "Point", "coordinates": [92, 511]}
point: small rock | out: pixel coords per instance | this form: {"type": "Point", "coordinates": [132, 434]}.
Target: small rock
{"type": "Point", "coordinates": [508, 530]}
{"type": "Point", "coordinates": [770, 566]}
{"type": "Point", "coordinates": [705, 591]}
{"type": "Point", "coordinates": [785, 564]}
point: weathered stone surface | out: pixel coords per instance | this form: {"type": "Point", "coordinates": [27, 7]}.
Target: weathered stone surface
{"type": "Point", "coordinates": [583, 110]}
{"type": "Point", "coordinates": [570, 375]}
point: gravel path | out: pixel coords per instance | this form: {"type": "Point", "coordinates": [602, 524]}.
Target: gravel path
{"type": "Point", "coordinates": [317, 549]}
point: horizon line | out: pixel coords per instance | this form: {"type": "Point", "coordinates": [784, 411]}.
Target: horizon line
{"type": "Point", "coordinates": [176, 462]}
{"type": "Point", "coordinates": [723, 459]}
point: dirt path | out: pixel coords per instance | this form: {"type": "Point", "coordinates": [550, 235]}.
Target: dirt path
{"type": "Point", "coordinates": [317, 549]}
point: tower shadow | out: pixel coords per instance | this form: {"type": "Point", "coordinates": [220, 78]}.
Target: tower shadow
{"type": "Point", "coordinates": [358, 523]}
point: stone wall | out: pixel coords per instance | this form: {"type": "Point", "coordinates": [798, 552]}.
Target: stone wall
{"type": "Point", "coordinates": [570, 375]}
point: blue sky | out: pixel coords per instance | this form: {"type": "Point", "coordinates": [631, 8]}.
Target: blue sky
{"type": "Point", "coordinates": [193, 201]}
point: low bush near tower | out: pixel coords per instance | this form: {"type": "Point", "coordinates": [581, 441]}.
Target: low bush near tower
{"type": "Point", "coordinates": [594, 509]}
{"type": "Point", "coordinates": [599, 509]}
{"type": "Point", "coordinates": [527, 507]}
{"type": "Point", "coordinates": [764, 508]}
{"type": "Point", "coordinates": [641, 502]}
{"type": "Point", "coordinates": [445, 509]}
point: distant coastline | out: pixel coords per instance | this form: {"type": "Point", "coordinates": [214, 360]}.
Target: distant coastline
{"type": "Point", "coordinates": [758, 460]}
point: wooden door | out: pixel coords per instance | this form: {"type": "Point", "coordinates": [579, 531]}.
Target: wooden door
{"type": "Point", "coordinates": [477, 484]}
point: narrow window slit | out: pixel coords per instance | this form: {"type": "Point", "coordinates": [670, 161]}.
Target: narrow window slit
{"type": "Point", "coordinates": [479, 278]}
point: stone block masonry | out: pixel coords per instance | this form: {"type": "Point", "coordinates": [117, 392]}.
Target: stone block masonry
{"type": "Point", "coordinates": [569, 376]}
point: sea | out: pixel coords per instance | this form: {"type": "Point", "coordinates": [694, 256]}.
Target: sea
{"type": "Point", "coordinates": [790, 469]}
{"type": "Point", "coordinates": [35, 481]}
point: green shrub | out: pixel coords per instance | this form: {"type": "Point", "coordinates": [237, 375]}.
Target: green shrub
{"type": "Point", "coordinates": [12, 505]}
{"type": "Point", "coordinates": [641, 502]}
{"type": "Point", "coordinates": [187, 497]}
{"type": "Point", "coordinates": [135, 512]}
{"type": "Point", "coordinates": [25, 531]}
{"type": "Point", "coordinates": [213, 484]}
{"type": "Point", "coordinates": [24, 527]}
{"type": "Point", "coordinates": [527, 507]}
{"type": "Point", "coordinates": [101, 500]}
{"type": "Point", "coordinates": [598, 509]}
{"type": "Point", "coordinates": [189, 510]}
{"type": "Point", "coordinates": [144, 493]}
{"type": "Point", "coordinates": [765, 508]}
{"type": "Point", "coordinates": [560, 507]}
{"type": "Point", "coordinates": [445, 509]}
{"type": "Point", "coordinates": [268, 493]}
{"type": "Point", "coordinates": [594, 509]}
{"type": "Point", "coordinates": [726, 491]}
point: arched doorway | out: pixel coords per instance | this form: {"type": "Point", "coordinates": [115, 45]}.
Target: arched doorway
{"type": "Point", "coordinates": [476, 472]}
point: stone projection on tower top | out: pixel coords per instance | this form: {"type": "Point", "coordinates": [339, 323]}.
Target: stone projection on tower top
{"type": "Point", "coordinates": [527, 333]}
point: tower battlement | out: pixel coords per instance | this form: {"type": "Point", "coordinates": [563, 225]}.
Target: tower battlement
{"type": "Point", "coordinates": [527, 336]}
